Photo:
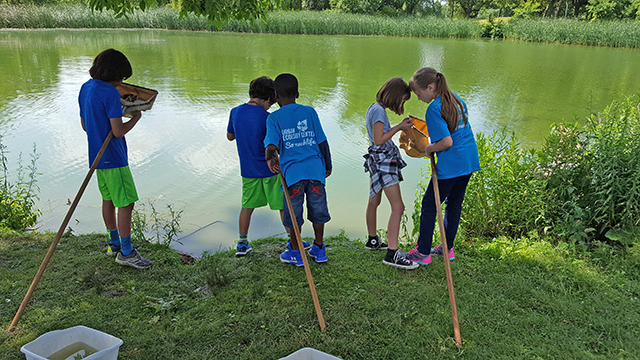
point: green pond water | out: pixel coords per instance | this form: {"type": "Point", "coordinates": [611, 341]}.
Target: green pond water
{"type": "Point", "coordinates": [179, 153]}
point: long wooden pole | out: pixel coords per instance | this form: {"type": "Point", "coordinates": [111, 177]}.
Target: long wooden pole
{"type": "Point", "coordinates": [445, 255]}
{"type": "Point", "coordinates": [307, 270]}
{"type": "Point", "coordinates": [55, 242]}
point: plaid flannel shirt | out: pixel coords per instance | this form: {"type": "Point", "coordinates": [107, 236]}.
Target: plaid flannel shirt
{"type": "Point", "coordinates": [383, 163]}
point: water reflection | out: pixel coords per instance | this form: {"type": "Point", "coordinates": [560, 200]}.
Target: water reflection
{"type": "Point", "coordinates": [179, 153]}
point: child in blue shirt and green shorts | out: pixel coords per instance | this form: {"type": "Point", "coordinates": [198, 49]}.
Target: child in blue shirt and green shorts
{"type": "Point", "coordinates": [248, 127]}
{"type": "Point", "coordinates": [101, 113]}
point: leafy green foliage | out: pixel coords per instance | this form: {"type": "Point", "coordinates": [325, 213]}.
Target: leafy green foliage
{"type": "Point", "coordinates": [218, 12]}
{"type": "Point", "coordinates": [507, 196]}
{"type": "Point", "coordinates": [18, 210]}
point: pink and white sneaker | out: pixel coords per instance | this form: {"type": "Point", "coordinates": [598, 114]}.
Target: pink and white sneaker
{"type": "Point", "coordinates": [438, 251]}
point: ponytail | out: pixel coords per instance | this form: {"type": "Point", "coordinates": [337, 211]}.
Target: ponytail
{"type": "Point", "coordinates": [451, 106]}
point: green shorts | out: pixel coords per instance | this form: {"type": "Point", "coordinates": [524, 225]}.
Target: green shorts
{"type": "Point", "coordinates": [258, 192]}
{"type": "Point", "coordinates": [117, 185]}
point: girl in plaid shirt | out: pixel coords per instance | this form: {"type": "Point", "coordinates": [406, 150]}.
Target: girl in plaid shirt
{"type": "Point", "coordinates": [383, 162]}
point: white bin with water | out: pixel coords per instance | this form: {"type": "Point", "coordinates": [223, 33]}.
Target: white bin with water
{"type": "Point", "coordinates": [309, 354]}
{"type": "Point", "coordinates": [45, 345]}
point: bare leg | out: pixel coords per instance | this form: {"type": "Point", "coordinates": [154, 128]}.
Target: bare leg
{"type": "Point", "coordinates": [124, 220]}
{"type": "Point", "coordinates": [244, 220]}
{"type": "Point", "coordinates": [397, 209]}
{"type": "Point", "coordinates": [109, 214]}
{"type": "Point", "coordinates": [371, 215]}
{"type": "Point", "coordinates": [318, 230]}
{"type": "Point", "coordinates": [294, 238]}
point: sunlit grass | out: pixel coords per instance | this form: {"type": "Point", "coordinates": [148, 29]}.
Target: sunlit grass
{"type": "Point", "coordinates": [517, 298]}
{"type": "Point", "coordinates": [610, 33]}
{"type": "Point", "coordinates": [623, 33]}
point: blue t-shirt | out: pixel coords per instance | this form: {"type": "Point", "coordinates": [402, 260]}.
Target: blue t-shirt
{"type": "Point", "coordinates": [295, 129]}
{"type": "Point", "coordinates": [376, 113]}
{"type": "Point", "coordinates": [249, 125]}
{"type": "Point", "coordinates": [100, 101]}
{"type": "Point", "coordinates": [462, 157]}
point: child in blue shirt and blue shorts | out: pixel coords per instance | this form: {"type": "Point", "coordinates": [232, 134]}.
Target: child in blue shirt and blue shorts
{"type": "Point", "coordinates": [294, 131]}
{"type": "Point", "coordinates": [101, 113]}
{"type": "Point", "coordinates": [248, 127]}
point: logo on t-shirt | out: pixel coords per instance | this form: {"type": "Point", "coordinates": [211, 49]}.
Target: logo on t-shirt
{"type": "Point", "coordinates": [302, 125]}
{"type": "Point", "coordinates": [298, 136]}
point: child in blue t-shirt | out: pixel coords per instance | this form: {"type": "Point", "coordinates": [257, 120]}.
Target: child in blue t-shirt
{"type": "Point", "coordinates": [384, 162]}
{"type": "Point", "coordinates": [453, 141]}
{"type": "Point", "coordinates": [101, 113]}
{"type": "Point", "coordinates": [294, 131]}
{"type": "Point", "coordinates": [248, 127]}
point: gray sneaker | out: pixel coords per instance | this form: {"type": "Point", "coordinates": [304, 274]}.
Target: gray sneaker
{"type": "Point", "coordinates": [134, 260]}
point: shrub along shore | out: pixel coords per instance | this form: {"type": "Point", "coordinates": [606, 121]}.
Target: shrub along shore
{"type": "Point", "coordinates": [562, 31]}
{"type": "Point", "coordinates": [517, 298]}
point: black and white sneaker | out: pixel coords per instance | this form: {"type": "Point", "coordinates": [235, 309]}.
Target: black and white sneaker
{"type": "Point", "coordinates": [375, 244]}
{"type": "Point", "coordinates": [400, 261]}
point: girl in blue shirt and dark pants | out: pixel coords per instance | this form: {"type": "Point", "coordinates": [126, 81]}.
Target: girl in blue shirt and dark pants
{"type": "Point", "coordinates": [453, 141]}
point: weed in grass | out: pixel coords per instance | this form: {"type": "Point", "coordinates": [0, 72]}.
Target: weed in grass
{"type": "Point", "coordinates": [164, 227]}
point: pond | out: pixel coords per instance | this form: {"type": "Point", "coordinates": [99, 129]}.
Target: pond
{"type": "Point", "coordinates": [179, 154]}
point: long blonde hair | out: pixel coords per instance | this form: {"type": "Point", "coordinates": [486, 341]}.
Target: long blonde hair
{"type": "Point", "coordinates": [451, 106]}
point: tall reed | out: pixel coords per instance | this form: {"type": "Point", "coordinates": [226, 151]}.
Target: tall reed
{"type": "Point", "coordinates": [299, 22]}
{"type": "Point", "coordinates": [620, 33]}
{"type": "Point", "coordinates": [563, 31]}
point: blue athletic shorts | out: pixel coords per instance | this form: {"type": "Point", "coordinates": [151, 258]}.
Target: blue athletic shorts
{"type": "Point", "coordinates": [317, 210]}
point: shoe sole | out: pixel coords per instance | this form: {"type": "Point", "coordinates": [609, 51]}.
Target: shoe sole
{"type": "Point", "coordinates": [450, 259]}
{"type": "Point", "coordinates": [318, 261]}
{"type": "Point", "coordinates": [419, 262]}
{"type": "Point", "coordinates": [292, 263]}
{"type": "Point", "coordinates": [376, 248]}
{"type": "Point", "coordinates": [406, 267]}
{"type": "Point", "coordinates": [242, 253]}
{"type": "Point", "coordinates": [127, 263]}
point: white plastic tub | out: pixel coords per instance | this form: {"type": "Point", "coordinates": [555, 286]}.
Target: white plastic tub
{"type": "Point", "coordinates": [309, 354]}
{"type": "Point", "coordinates": [50, 343]}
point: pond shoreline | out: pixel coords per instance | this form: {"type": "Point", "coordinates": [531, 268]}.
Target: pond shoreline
{"type": "Point", "coordinates": [625, 34]}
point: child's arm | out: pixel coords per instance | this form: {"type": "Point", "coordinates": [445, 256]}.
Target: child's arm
{"type": "Point", "coordinates": [326, 154]}
{"type": "Point", "coordinates": [231, 136]}
{"type": "Point", "coordinates": [271, 155]}
{"type": "Point", "coordinates": [442, 144]}
{"type": "Point", "coordinates": [82, 123]}
{"type": "Point", "coordinates": [119, 128]}
{"type": "Point", "coordinates": [380, 137]}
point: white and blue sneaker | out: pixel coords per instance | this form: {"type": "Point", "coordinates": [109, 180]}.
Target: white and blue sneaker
{"type": "Point", "coordinates": [318, 253]}
{"type": "Point", "coordinates": [292, 257]}
{"type": "Point", "coordinates": [243, 248]}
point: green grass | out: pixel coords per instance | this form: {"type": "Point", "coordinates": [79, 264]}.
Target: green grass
{"type": "Point", "coordinates": [516, 299]}
{"type": "Point", "coordinates": [623, 33]}
{"type": "Point", "coordinates": [300, 22]}
{"type": "Point", "coordinates": [563, 31]}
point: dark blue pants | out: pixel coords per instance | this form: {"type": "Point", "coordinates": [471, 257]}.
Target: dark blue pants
{"type": "Point", "coordinates": [452, 194]}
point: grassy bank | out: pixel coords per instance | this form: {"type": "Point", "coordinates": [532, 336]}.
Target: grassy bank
{"type": "Point", "coordinates": [516, 299]}
{"type": "Point", "coordinates": [571, 31]}
{"type": "Point", "coordinates": [610, 33]}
